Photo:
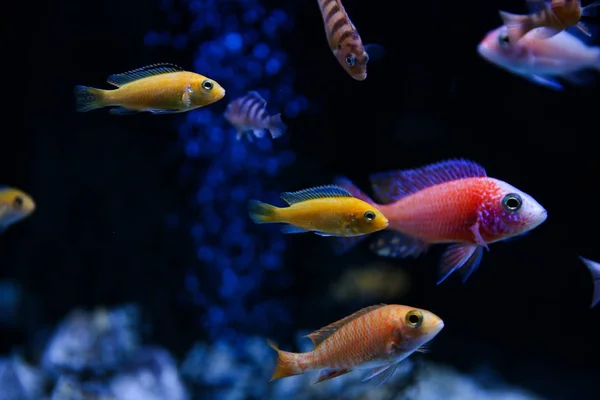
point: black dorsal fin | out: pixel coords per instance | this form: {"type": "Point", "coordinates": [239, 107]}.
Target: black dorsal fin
{"type": "Point", "coordinates": [143, 72]}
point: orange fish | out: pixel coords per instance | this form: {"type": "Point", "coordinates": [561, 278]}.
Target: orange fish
{"type": "Point", "coordinates": [452, 201]}
{"type": "Point", "coordinates": [375, 338]}
{"type": "Point", "coordinates": [344, 40]}
{"type": "Point", "coordinates": [158, 88]}
{"type": "Point", "coordinates": [324, 210]}
{"type": "Point", "coordinates": [551, 17]}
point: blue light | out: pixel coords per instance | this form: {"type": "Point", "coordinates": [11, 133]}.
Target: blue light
{"type": "Point", "coordinates": [233, 253]}
{"type": "Point", "coordinates": [273, 66]}
{"type": "Point", "coordinates": [261, 51]}
{"type": "Point", "coordinates": [192, 149]}
{"type": "Point", "coordinates": [205, 254]}
{"type": "Point", "coordinates": [180, 42]}
{"type": "Point", "coordinates": [233, 41]}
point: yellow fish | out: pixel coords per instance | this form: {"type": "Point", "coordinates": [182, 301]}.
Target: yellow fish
{"type": "Point", "coordinates": [14, 206]}
{"type": "Point", "coordinates": [158, 88]}
{"type": "Point", "coordinates": [324, 210]}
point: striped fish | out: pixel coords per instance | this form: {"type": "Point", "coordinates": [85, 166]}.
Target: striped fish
{"type": "Point", "coordinates": [249, 114]}
{"type": "Point", "coordinates": [376, 338]}
{"type": "Point", "coordinates": [551, 17]}
{"type": "Point", "coordinates": [344, 39]}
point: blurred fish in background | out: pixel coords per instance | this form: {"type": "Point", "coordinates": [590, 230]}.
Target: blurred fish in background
{"type": "Point", "coordinates": [540, 60]}
{"type": "Point", "coordinates": [14, 206]}
{"type": "Point", "coordinates": [377, 280]}
{"type": "Point", "coordinates": [249, 115]}
{"type": "Point", "coordinates": [548, 18]}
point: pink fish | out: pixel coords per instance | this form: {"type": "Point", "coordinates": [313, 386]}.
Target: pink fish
{"type": "Point", "coordinates": [541, 60]}
{"type": "Point", "coordinates": [594, 268]}
{"type": "Point", "coordinates": [451, 201]}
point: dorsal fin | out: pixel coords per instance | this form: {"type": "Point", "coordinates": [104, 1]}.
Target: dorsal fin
{"type": "Point", "coordinates": [318, 192]}
{"type": "Point", "coordinates": [257, 98]}
{"type": "Point", "coordinates": [392, 186]}
{"type": "Point", "coordinates": [319, 336]}
{"type": "Point", "coordinates": [143, 72]}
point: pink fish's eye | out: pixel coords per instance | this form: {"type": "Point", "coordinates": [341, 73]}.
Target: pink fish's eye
{"type": "Point", "coordinates": [512, 202]}
{"type": "Point", "coordinates": [503, 39]}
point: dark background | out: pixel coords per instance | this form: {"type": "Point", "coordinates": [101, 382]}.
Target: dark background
{"type": "Point", "coordinates": [104, 185]}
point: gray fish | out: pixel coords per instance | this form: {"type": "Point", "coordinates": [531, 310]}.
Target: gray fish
{"type": "Point", "coordinates": [249, 114]}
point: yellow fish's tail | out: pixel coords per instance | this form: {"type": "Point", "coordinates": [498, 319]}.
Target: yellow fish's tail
{"type": "Point", "coordinates": [262, 213]}
{"type": "Point", "coordinates": [287, 363]}
{"type": "Point", "coordinates": [88, 98]}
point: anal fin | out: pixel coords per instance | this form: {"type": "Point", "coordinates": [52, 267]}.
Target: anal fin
{"type": "Point", "coordinates": [546, 82]}
{"type": "Point", "coordinates": [465, 257]}
{"type": "Point", "coordinates": [383, 373]}
{"type": "Point", "coordinates": [327, 374]}
{"type": "Point", "coordinates": [398, 245]}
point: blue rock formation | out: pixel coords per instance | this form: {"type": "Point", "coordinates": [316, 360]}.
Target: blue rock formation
{"type": "Point", "coordinates": [237, 43]}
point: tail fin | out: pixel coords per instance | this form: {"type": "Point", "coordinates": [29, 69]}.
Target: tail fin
{"type": "Point", "coordinates": [276, 126]}
{"type": "Point", "coordinates": [87, 98]}
{"type": "Point", "coordinates": [286, 363]}
{"type": "Point", "coordinates": [517, 25]}
{"type": "Point", "coordinates": [262, 213]}
{"type": "Point", "coordinates": [343, 244]}
{"type": "Point", "coordinates": [594, 268]}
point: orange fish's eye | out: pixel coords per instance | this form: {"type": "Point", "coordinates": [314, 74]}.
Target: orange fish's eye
{"type": "Point", "coordinates": [512, 202]}
{"type": "Point", "coordinates": [414, 318]}
{"type": "Point", "coordinates": [350, 60]}
{"type": "Point", "coordinates": [207, 85]}
{"type": "Point", "coordinates": [18, 202]}
{"type": "Point", "coordinates": [369, 215]}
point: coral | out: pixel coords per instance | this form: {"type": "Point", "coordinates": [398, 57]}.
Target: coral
{"type": "Point", "coordinates": [221, 371]}
{"type": "Point", "coordinates": [237, 43]}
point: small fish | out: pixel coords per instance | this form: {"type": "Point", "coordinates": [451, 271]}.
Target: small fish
{"type": "Point", "coordinates": [159, 89]}
{"type": "Point", "coordinates": [344, 40]}
{"type": "Point", "coordinates": [324, 210]}
{"type": "Point", "coordinates": [594, 268]}
{"type": "Point", "coordinates": [375, 338]}
{"type": "Point", "coordinates": [14, 206]}
{"type": "Point", "coordinates": [452, 201]}
{"type": "Point", "coordinates": [551, 17]}
{"type": "Point", "coordinates": [541, 61]}
{"type": "Point", "coordinates": [249, 113]}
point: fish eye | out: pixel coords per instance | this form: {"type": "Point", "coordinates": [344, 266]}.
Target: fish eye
{"type": "Point", "coordinates": [350, 60]}
{"type": "Point", "coordinates": [208, 85]}
{"type": "Point", "coordinates": [503, 39]}
{"type": "Point", "coordinates": [18, 202]}
{"type": "Point", "coordinates": [414, 318]}
{"type": "Point", "coordinates": [369, 215]}
{"type": "Point", "coordinates": [512, 202]}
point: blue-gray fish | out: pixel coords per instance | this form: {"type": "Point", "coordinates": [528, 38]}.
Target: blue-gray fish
{"type": "Point", "coordinates": [249, 114]}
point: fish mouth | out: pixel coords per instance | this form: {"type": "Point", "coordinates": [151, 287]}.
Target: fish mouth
{"type": "Point", "coordinates": [360, 77]}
